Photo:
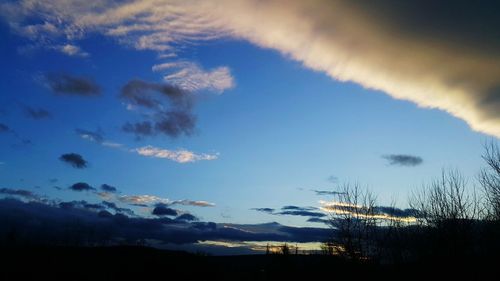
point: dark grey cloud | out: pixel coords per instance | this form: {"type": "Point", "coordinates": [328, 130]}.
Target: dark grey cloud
{"type": "Point", "coordinates": [82, 204]}
{"type": "Point", "coordinates": [403, 160]}
{"type": "Point", "coordinates": [302, 213]}
{"type": "Point", "coordinates": [81, 186]}
{"type": "Point", "coordinates": [186, 217]}
{"type": "Point", "coordinates": [90, 135]}
{"type": "Point", "coordinates": [19, 192]}
{"type": "Point", "coordinates": [42, 223]}
{"type": "Point", "coordinates": [71, 85]}
{"type": "Point", "coordinates": [397, 212]}
{"type": "Point", "coordinates": [297, 208]}
{"type": "Point", "coordinates": [291, 210]}
{"type": "Point", "coordinates": [170, 109]}
{"type": "Point", "coordinates": [163, 210]}
{"type": "Point", "coordinates": [326, 192]}
{"type": "Point", "coordinates": [36, 113]}
{"type": "Point", "coordinates": [114, 207]}
{"type": "Point", "coordinates": [264, 210]}
{"type": "Point", "coordinates": [74, 159]}
{"type": "Point", "coordinates": [108, 188]}
{"type": "Point", "coordinates": [318, 220]}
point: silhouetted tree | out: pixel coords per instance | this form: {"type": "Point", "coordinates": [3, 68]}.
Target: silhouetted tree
{"type": "Point", "coordinates": [285, 250]}
{"type": "Point", "coordinates": [447, 214]}
{"type": "Point", "coordinates": [489, 179]}
{"type": "Point", "coordinates": [352, 217]}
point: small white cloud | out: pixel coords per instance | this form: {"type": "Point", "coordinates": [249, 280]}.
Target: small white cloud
{"type": "Point", "coordinates": [112, 144]}
{"type": "Point", "coordinates": [180, 156]}
{"type": "Point", "coordinates": [72, 50]}
{"type": "Point", "coordinates": [167, 55]}
{"type": "Point", "coordinates": [142, 199]}
{"type": "Point", "coordinates": [193, 203]}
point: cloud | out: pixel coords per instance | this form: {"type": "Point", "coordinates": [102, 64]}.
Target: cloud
{"type": "Point", "coordinates": [377, 212]}
{"type": "Point", "coordinates": [318, 220]}
{"type": "Point", "coordinates": [403, 160]}
{"type": "Point", "coordinates": [326, 192]}
{"type": "Point", "coordinates": [36, 113]}
{"type": "Point", "coordinates": [293, 211]}
{"type": "Point", "coordinates": [70, 85]}
{"type": "Point", "coordinates": [191, 77]}
{"type": "Point", "coordinates": [90, 135]}
{"type": "Point", "coordinates": [302, 213]}
{"type": "Point", "coordinates": [169, 109]}
{"type": "Point", "coordinates": [186, 202]}
{"type": "Point", "coordinates": [442, 55]}
{"type": "Point", "coordinates": [142, 199]}
{"type": "Point", "coordinates": [98, 137]}
{"type": "Point", "coordinates": [180, 156]}
{"type": "Point", "coordinates": [26, 194]}
{"type": "Point", "coordinates": [108, 188]}
{"type": "Point", "coordinates": [114, 207]}
{"type": "Point", "coordinates": [264, 210]}
{"type": "Point", "coordinates": [162, 210]}
{"type": "Point", "coordinates": [74, 159]}
{"type": "Point", "coordinates": [186, 217]}
{"type": "Point", "coordinates": [94, 227]}
{"type": "Point", "coordinates": [82, 204]}
{"type": "Point", "coordinates": [71, 50]}
{"type": "Point", "coordinates": [81, 186]}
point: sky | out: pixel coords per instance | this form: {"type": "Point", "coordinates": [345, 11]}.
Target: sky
{"type": "Point", "coordinates": [224, 110]}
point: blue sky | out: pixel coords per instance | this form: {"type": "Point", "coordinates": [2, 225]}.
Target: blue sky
{"type": "Point", "coordinates": [282, 129]}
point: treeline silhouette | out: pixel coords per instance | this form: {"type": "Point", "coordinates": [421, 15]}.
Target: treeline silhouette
{"type": "Point", "coordinates": [453, 220]}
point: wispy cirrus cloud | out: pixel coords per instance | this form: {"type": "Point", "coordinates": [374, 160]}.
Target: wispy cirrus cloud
{"type": "Point", "coordinates": [192, 77]}
{"type": "Point", "coordinates": [180, 155]}
{"type": "Point", "coordinates": [442, 55]}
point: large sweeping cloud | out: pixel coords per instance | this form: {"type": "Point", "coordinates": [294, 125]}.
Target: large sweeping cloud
{"type": "Point", "coordinates": [437, 54]}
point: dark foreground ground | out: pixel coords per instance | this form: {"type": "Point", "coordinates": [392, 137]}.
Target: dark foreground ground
{"type": "Point", "coordinates": [141, 263]}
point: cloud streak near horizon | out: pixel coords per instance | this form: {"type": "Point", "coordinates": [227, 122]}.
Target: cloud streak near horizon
{"type": "Point", "coordinates": [442, 55]}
